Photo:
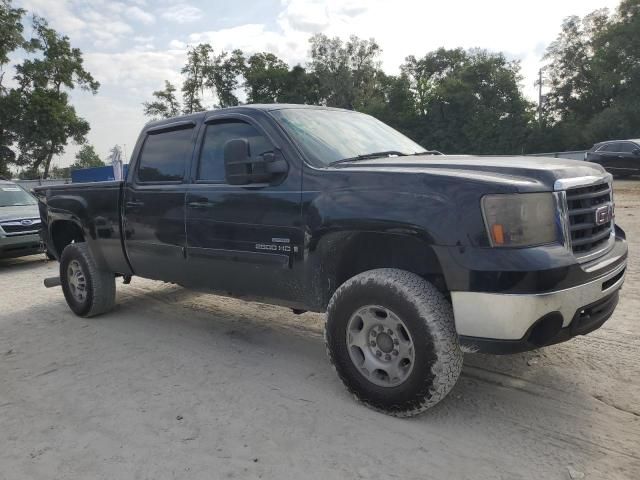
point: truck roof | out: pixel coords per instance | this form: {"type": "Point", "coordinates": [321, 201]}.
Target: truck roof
{"type": "Point", "coordinates": [240, 108]}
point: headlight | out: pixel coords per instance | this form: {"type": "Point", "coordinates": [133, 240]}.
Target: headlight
{"type": "Point", "coordinates": [520, 220]}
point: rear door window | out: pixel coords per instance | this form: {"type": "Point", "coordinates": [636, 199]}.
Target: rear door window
{"type": "Point", "coordinates": [211, 165]}
{"type": "Point", "coordinates": [627, 147]}
{"type": "Point", "coordinates": [164, 156]}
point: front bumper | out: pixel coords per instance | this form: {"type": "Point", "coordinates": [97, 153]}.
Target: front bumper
{"type": "Point", "coordinates": [20, 245]}
{"type": "Point", "coordinates": [504, 322]}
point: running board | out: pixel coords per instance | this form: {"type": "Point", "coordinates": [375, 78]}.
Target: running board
{"type": "Point", "coordinates": [52, 282]}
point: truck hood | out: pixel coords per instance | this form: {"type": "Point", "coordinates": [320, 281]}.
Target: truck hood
{"type": "Point", "coordinates": [19, 212]}
{"type": "Point", "coordinates": [524, 173]}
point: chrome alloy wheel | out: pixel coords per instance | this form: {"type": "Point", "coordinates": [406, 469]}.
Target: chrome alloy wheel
{"type": "Point", "coordinates": [380, 346]}
{"type": "Point", "coordinates": [77, 281]}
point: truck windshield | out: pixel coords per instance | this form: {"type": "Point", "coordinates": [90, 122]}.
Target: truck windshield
{"type": "Point", "coordinates": [328, 136]}
{"type": "Point", "coordinates": [13, 196]}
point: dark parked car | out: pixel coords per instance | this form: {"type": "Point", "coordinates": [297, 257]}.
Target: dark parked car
{"type": "Point", "coordinates": [19, 221]}
{"type": "Point", "coordinates": [620, 157]}
{"type": "Point", "coordinates": [413, 256]}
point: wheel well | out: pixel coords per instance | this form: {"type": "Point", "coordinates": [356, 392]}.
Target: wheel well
{"type": "Point", "coordinates": [368, 251]}
{"type": "Point", "coordinates": [64, 232]}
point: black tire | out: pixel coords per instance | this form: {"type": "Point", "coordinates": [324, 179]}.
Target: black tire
{"type": "Point", "coordinates": [99, 285]}
{"type": "Point", "coordinates": [428, 317]}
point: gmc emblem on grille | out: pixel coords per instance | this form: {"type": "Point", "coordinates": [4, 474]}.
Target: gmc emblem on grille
{"type": "Point", "coordinates": [603, 214]}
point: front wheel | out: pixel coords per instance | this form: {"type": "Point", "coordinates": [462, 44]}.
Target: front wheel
{"type": "Point", "coordinates": [88, 290]}
{"type": "Point", "coordinates": [391, 336]}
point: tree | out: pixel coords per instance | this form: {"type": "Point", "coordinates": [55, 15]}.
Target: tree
{"type": "Point", "coordinates": [223, 77]}
{"type": "Point", "coordinates": [165, 105]}
{"type": "Point", "coordinates": [47, 121]}
{"type": "Point", "coordinates": [196, 71]}
{"type": "Point", "coordinates": [345, 71]}
{"type": "Point", "coordinates": [10, 33]}
{"type": "Point", "coordinates": [86, 158]}
{"type": "Point", "coordinates": [468, 102]}
{"type": "Point", "coordinates": [10, 39]}
{"type": "Point", "coordinates": [593, 73]}
{"type": "Point", "coordinates": [301, 87]}
{"type": "Point", "coordinates": [265, 78]}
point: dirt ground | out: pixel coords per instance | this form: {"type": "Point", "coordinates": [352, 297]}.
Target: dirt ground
{"type": "Point", "coordinates": [174, 384]}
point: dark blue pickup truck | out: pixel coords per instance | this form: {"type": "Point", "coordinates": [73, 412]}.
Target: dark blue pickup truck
{"type": "Point", "coordinates": [415, 256]}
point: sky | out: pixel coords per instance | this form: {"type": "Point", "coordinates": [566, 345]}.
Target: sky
{"type": "Point", "coordinates": [132, 46]}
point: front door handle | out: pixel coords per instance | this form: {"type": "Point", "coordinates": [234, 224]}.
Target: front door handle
{"type": "Point", "coordinates": [134, 204]}
{"type": "Point", "coordinates": [199, 204]}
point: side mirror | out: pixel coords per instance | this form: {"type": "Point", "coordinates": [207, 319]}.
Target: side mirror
{"type": "Point", "coordinates": [636, 152]}
{"type": "Point", "coordinates": [241, 169]}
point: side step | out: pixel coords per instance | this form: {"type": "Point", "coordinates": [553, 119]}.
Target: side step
{"type": "Point", "coordinates": [52, 282]}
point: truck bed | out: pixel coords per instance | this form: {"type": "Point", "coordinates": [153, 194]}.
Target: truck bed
{"type": "Point", "coordinates": [95, 208]}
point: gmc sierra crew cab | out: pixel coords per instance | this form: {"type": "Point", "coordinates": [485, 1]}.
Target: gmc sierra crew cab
{"type": "Point", "coordinates": [415, 256]}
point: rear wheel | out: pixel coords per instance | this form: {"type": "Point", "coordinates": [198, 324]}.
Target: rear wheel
{"type": "Point", "coordinates": [88, 290]}
{"type": "Point", "coordinates": [391, 336]}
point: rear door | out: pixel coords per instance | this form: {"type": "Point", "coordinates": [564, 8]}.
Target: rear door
{"type": "Point", "coordinates": [154, 199]}
{"type": "Point", "coordinates": [242, 239]}
{"type": "Point", "coordinates": [627, 159]}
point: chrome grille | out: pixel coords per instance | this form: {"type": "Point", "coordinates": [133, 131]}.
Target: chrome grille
{"type": "Point", "coordinates": [587, 234]}
{"type": "Point", "coordinates": [20, 227]}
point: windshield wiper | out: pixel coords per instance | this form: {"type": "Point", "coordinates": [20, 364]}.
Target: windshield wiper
{"type": "Point", "coordinates": [428, 152]}
{"type": "Point", "coordinates": [367, 156]}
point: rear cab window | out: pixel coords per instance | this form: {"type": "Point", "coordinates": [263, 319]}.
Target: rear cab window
{"type": "Point", "coordinates": [164, 155]}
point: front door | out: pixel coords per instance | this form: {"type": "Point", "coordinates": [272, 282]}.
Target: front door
{"type": "Point", "coordinates": [154, 218]}
{"type": "Point", "coordinates": [242, 240]}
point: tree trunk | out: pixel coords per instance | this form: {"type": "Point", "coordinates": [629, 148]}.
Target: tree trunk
{"type": "Point", "coordinates": [47, 163]}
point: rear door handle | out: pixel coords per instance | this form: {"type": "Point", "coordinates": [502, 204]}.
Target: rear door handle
{"type": "Point", "coordinates": [199, 204]}
{"type": "Point", "coordinates": [134, 204]}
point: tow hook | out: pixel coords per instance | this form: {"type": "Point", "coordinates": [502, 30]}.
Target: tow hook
{"type": "Point", "coordinates": [52, 282]}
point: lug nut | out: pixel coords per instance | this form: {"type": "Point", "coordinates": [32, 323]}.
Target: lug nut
{"type": "Point", "coordinates": [378, 353]}
{"type": "Point", "coordinates": [390, 332]}
{"type": "Point", "coordinates": [395, 352]}
{"type": "Point", "coordinates": [373, 344]}
{"type": "Point", "coordinates": [387, 357]}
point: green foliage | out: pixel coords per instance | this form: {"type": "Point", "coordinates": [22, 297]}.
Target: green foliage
{"type": "Point", "coordinates": [165, 105]}
{"type": "Point", "coordinates": [10, 39]}
{"type": "Point", "coordinates": [195, 72]}
{"type": "Point", "coordinates": [223, 77]}
{"type": "Point", "coordinates": [36, 118]}
{"type": "Point", "coordinates": [594, 79]}
{"type": "Point", "coordinates": [60, 172]}
{"type": "Point", "coordinates": [86, 158]}
{"type": "Point", "coordinates": [345, 72]}
{"type": "Point", "coordinates": [10, 32]}
{"type": "Point", "coordinates": [265, 78]}
{"type": "Point", "coordinates": [468, 102]}
{"type": "Point", "coordinates": [454, 100]}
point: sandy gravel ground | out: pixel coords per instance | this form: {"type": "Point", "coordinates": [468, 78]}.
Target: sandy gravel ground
{"type": "Point", "coordinates": [174, 384]}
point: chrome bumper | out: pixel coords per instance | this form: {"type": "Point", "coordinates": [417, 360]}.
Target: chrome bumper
{"type": "Point", "coordinates": [509, 316]}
